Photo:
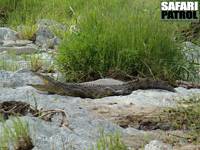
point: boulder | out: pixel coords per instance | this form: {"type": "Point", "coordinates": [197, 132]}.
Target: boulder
{"type": "Point", "coordinates": [45, 37]}
{"type": "Point", "coordinates": [7, 34]}
{"type": "Point", "coordinates": [192, 52]}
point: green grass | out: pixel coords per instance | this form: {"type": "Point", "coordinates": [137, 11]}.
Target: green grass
{"type": "Point", "coordinates": [18, 135]}
{"type": "Point", "coordinates": [127, 36]}
{"type": "Point", "coordinates": [109, 142]}
{"type": "Point", "coordinates": [28, 12]}
{"type": "Point", "coordinates": [34, 62]}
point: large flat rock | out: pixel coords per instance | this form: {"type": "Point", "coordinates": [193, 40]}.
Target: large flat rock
{"type": "Point", "coordinates": [17, 43]}
{"type": "Point", "coordinates": [19, 50]}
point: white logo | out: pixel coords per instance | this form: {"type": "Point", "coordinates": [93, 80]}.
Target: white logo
{"type": "Point", "coordinates": [179, 10]}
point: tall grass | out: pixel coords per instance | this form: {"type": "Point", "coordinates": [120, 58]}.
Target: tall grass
{"type": "Point", "coordinates": [30, 11]}
{"type": "Point", "coordinates": [121, 35]}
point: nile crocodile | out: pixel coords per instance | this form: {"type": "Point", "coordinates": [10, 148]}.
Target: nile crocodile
{"type": "Point", "coordinates": [98, 91]}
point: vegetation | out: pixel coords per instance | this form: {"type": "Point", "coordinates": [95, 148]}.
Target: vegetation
{"type": "Point", "coordinates": [106, 36]}
{"type": "Point", "coordinates": [115, 35]}
{"type": "Point", "coordinates": [34, 62]}
{"type": "Point", "coordinates": [109, 142]}
{"type": "Point", "coordinates": [27, 32]}
{"type": "Point", "coordinates": [28, 12]}
{"type": "Point", "coordinates": [18, 136]}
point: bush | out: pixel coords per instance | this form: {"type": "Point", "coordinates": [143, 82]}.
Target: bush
{"type": "Point", "coordinates": [121, 35]}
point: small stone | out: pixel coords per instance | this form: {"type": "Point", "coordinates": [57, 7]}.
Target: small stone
{"type": "Point", "coordinates": [158, 145]}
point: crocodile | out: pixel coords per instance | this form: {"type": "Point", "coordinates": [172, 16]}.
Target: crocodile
{"type": "Point", "coordinates": [98, 91]}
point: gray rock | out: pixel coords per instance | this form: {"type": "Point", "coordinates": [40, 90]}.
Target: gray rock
{"type": "Point", "coordinates": [158, 145]}
{"type": "Point", "coordinates": [56, 41]}
{"type": "Point", "coordinates": [192, 52]}
{"type": "Point", "coordinates": [45, 32]}
{"type": "Point", "coordinates": [18, 79]}
{"type": "Point", "coordinates": [45, 37]}
{"type": "Point", "coordinates": [17, 43]}
{"type": "Point", "coordinates": [20, 50]}
{"type": "Point", "coordinates": [7, 34]}
{"type": "Point", "coordinates": [83, 128]}
{"type": "Point", "coordinates": [1, 42]}
{"type": "Point", "coordinates": [147, 98]}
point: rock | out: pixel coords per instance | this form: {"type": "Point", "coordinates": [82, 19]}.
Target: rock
{"type": "Point", "coordinates": [18, 79]}
{"type": "Point", "coordinates": [158, 145]}
{"type": "Point", "coordinates": [17, 43]}
{"type": "Point", "coordinates": [45, 37]}
{"type": "Point", "coordinates": [83, 128]}
{"type": "Point", "coordinates": [8, 34]}
{"type": "Point", "coordinates": [191, 45]}
{"type": "Point", "coordinates": [1, 42]}
{"type": "Point", "coordinates": [44, 32]}
{"type": "Point", "coordinates": [20, 50]}
{"type": "Point", "coordinates": [56, 41]}
{"type": "Point", "coordinates": [192, 52]}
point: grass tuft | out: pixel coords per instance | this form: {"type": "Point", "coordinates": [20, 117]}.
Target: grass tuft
{"type": "Point", "coordinates": [109, 142]}
{"type": "Point", "coordinates": [16, 136]}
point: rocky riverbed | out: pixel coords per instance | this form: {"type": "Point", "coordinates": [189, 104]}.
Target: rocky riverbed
{"type": "Point", "coordinates": [85, 117]}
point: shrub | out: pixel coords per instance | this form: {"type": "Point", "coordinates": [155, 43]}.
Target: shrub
{"type": "Point", "coordinates": [121, 35]}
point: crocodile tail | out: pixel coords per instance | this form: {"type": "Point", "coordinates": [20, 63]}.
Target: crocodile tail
{"type": "Point", "coordinates": [158, 84]}
{"type": "Point", "coordinates": [150, 84]}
